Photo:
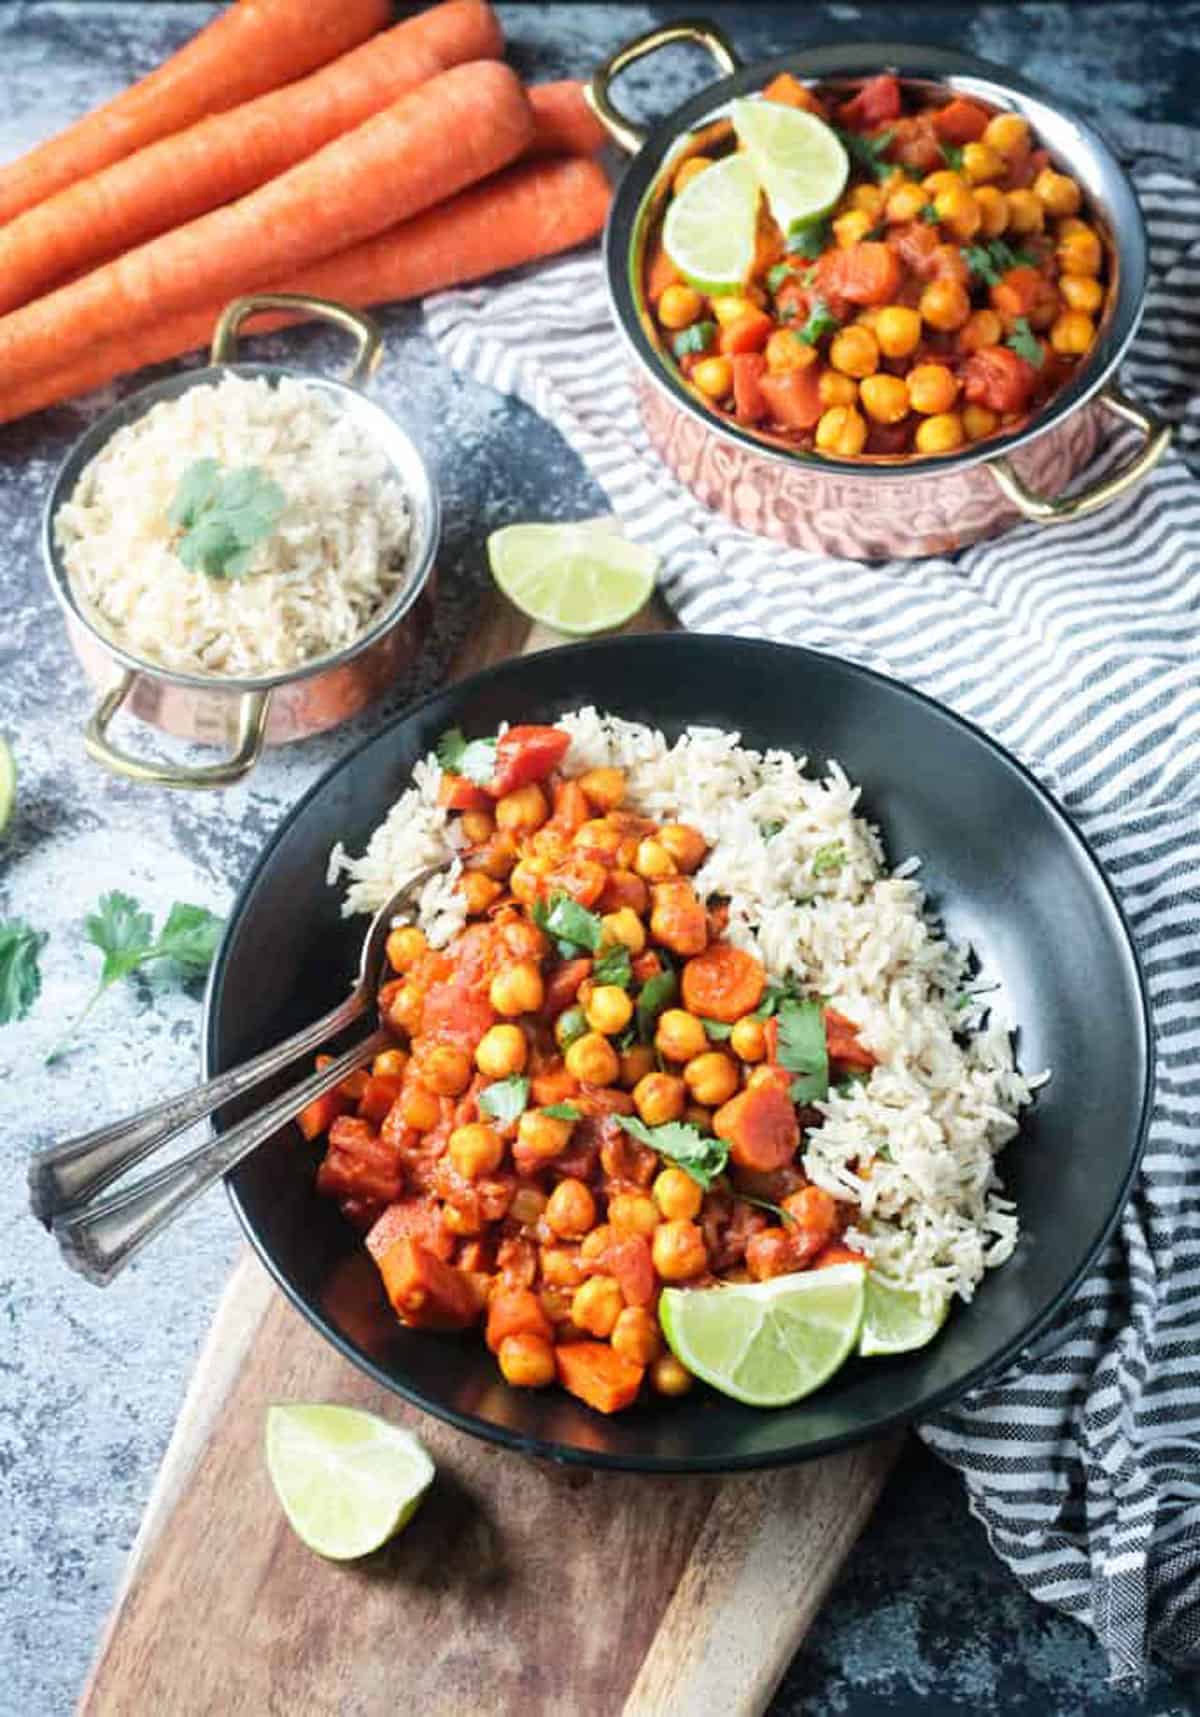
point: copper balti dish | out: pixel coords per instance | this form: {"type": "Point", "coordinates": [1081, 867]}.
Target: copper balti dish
{"type": "Point", "coordinates": [876, 508]}
{"type": "Point", "coordinates": [243, 715]}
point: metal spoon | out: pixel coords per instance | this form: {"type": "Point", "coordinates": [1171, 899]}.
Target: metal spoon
{"type": "Point", "coordinates": [98, 1236]}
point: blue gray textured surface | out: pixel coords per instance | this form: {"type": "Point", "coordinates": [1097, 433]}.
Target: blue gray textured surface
{"type": "Point", "coordinates": [924, 1618]}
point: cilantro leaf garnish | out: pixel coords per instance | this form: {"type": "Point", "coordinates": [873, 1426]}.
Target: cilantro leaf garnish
{"type": "Point", "coordinates": [829, 859]}
{"type": "Point", "coordinates": [930, 215]}
{"type": "Point", "coordinates": [614, 967]}
{"type": "Point", "coordinates": [768, 831]}
{"type": "Point", "coordinates": [821, 321]}
{"type": "Point", "coordinates": [682, 1144]}
{"type": "Point", "coordinates": [716, 1029]}
{"type": "Point", "coordinates": [952, 155]}
{"type": "Point", "coordinates": [698, 338]}
{"type": "Point", "coordinates": [992, 260]}
{"type": "Point", "coordinates": [563, 1112]}
{"type": "Point", "coordinates": [779, 276]}
{"type": "Point", "coordinates": [1025, 343]}
{"type": "Point", "coordinates": [20, 973]}
{"type": "Point", "coordinates": [564, 918]}
{"type": "Point", "coordinates": [655, 995]}
{"type": "Point", "coordinates": [807, 241]}
{"type": "Point", "coordinates": [802, 1048]}
{"type": "Point", "coordinates": [868, 152]}
{"type": "Point", "coordinates": [474, 758]}
{"type": "Point", "coordinates": [505, 1099]}
{"type": "Point", "coordinates": [124, 933]}
{"type": "Point", "coordinates": [223, 515]}
{"type": "Point", "coordinates": [774, 996]}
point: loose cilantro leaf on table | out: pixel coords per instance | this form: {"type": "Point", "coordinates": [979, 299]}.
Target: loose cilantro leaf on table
{"type": "Point", "coordinates": [1025, 343]}
{"type": "Point", "coordinates": [656, 993]}
{"type": "Point", "coordinates": [474, 758]}
{"type": "Point", "coordinates": [682, 1144]}
{"type": "Point", "coordinates": [505, 1099]}
{"type": "Point", "coordinates": [223, 515]}
{"type": "Point", "coordinates": [614, 967]}
{"type": "Point", "coordinates": [802, 1048]}
{"type": "Point", "coordinates": [20, 973]}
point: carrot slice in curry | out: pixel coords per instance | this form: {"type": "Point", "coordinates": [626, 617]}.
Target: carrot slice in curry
{"type": "Point", "coordinates": [723, 983]}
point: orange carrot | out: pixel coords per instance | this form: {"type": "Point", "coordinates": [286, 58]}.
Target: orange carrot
{"type": "Point", "coordinates": [593, 1371]}
{"type": "Point", "coordinates": [255, 46]}
{"type": "Point", "coordinates": [222, 157]}
{"type": "Point", "coordinates": [437, 139]}
{"type": "Point", "coordinates": [530, 211]}
{"type": "Point", "coordinates": [565, 123]}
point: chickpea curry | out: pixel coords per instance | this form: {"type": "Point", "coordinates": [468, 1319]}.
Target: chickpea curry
{"type": "Point", "coordinates": [954, 287]}
{"type": "Point", "coordinates": [593, 1093]}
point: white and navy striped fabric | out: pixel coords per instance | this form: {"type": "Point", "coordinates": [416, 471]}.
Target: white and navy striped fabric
{"type": "Point", "coordinates": [1079, 649]}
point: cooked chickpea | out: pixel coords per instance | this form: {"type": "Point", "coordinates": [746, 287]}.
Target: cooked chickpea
{"type": "Point", "coordinates": [898, 330]}
{"type": "Point", "coordinates": [748, 1039]}
{"type": "Point", "coordinates": [669, 1377]}
{"type": "Point", "coordinates": [1057, 192]}
{"type": "Point", "coordinates": [679, 1035]}
{"type": "Point", "coordinates": [678, 1250]}
{"type": "Point", "coordinates": [689, 170]}
{"type": "Point", "coordinates": [527, 1361]}
{"type": "Point", "coordinates": [497, 856]}
{"type": "Point", "coordinates": [884, 398]}
{"type": "Point", "coordinates": [714, 377]}
{"type": "Point", "coordinates": [712, 1078]}
{"type": "Point", "coordinates": [905, 203]}
{"type": "Point", "coordinates": [501, 1052]}
{"type": "Point", "coordinates": [835, 389]}
{"type": "Point", "coordinates": [932, 388]}
{"type": "Point", "coordinates": [979, 422]}
{"type": "Point", "coordinates": [523, 810]}
{"type": "Point", "coordinates": [982, 328]}
{"type": "Point", "coordinates": [730, 307]}
{"type": "Point", "coordinates": [477, 826]}
{"type": "Point", "coordinates": [463, 1220]}
{"type": "Point", "coordinates": [446, 1070]}
{"type": "Point", "coordinates": [571, 1211]}
{"type": "Point", "coordinates": [677, 1195]}
{"type": "Point", "coordinates": [659, 1098]}
{"type": "Point", "coordinates": [475, 1150]}
{"type": "Point", "coordinates": [389, 1064]}
{"type": "Point", "coordinates": [597, 1305]}
{"type": "Point", "coordinates": [405, 946]}
{"type": "Point", "coordinates": [517, 990]}
{"type": "Point", "coordinates": [653, 861]}
{"type": "Point", "coordinates": [686, 845]}
{"type": "Point", "coordinates": [405, 1008]}
{"type": "Point", "coordinates": [624, 927]}
{"type": "Point", "coordinates": [479, 891]}
{"type": "Point", "coordinates": [786, 351]}
{"type": "Point", "coordinates": [944, 179]}
{"type": "Point", "coordinates": [1007, 133]}
{"type": "Point", "coordinates": [1025, 212]}
{"type": "Point", "coordinates": [569, 1027]}
{"type": "Point", "coordinates": [957, 210]}
{"type": "Point", "coordinates": [679, 306]}
{"type": "Point", "coordinates": [562, 1267]}
{"type": "Point", "coordinates": [636, 1062]}
{"type": "Point", "coordinates": [592, 1059]}
{"type": "Point", "coordinates": [525, 883]}
{"type": "Point", "coordinates": [852, 227]}
{"type": "Point", "coordinates": [941, 433]}
{"type": "Point", "coordinates": [543, 1136]}
{"type": "Point", "coordinates": [598, 835]}
{"type": "Point", "coordinates": [1078, 250]}
{"type": "Point", "coordinates": [843, 431]}
{"type": "Point", "coordinates": [419, 1108]}
{"type": "Point", "coordinates": [595, 1243]}
{"type": "Point", "coordinates": [981, 162]}
{"type": "Point", "coordinates": [1081, 292]}
{"type": "Point", "coordinates": [993, 210]}
{"type": "Point", "coordinates": [527, 1205]}
{"type": "Point", "coordinates": [609, 1009]}
{"type": "Point", "coordinates": [945, 305]}
{"type": "Point", "coordinates": [633, 1213]}
{"type": "Point", "coordinates": [635, 1336]}
{"type": "Point", "coordinates": [855, 351]}
{"type": "Point", "coordinates": [1072, 333]}
{"type": "Point", "coordinates": [603, 788]}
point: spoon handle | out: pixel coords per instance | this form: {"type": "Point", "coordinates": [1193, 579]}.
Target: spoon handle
{"type": "Point", "coordinates": [63, 1175]}
{"type": "Point", "coordinates": [100, 1239]}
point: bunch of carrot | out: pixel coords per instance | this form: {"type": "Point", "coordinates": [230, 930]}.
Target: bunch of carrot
{"type": "Point", "coordinates": [293, 145]}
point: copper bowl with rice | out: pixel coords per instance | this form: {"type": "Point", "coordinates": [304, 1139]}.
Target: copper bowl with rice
{"type": "Point", "coordinates": [243, 711]}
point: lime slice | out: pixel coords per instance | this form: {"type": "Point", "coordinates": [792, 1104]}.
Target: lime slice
{"type": "Point", "coordinates": [347, 1480]}
{"type": "Point", "coordinates": [8, 783]}
{"type": "Point", "coordinates": [767, 1343]}
{"type": "Point", "coordinates": [579, 578]}
{"type": "Point", "coordinates": [893, 1321]}
{"type": "Point", "coordinates": [799, 160]}
{"type": "Point", "coordinates": [711, 226]}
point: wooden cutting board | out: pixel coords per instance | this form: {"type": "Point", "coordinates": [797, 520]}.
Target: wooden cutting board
{"type": "Point", "coordinates": [521, 1587]}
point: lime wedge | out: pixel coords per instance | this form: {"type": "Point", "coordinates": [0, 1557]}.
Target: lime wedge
{"type": "Point", "coordinates": [579, 578]}
{"type": "Point", "coordinates": [767, 1343]}
{"type": "Point", "coordinates": [799, 160]}
{"type": "Point", "coordinates": [347, 1480]}
{"type": "Point", "coordinates": [8, 784]}
{"type": "Point", "coordinates": [893, 1321]}
{"type": "Point", "coordinates": [710, 229]}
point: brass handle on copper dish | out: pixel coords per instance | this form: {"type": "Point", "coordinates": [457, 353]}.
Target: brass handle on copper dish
{"type": "Point", "coordinates": [366, 334]}
{"type": "Point", "coordinates": [622, 129]}
{"type": "Point", "coordinates": [1044, 510]}
{"type": "Point", "coordinates": [253, 708]}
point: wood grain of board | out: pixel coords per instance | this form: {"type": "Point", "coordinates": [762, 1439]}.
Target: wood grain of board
{"type": "Point", "coordinates": [521, 1588]}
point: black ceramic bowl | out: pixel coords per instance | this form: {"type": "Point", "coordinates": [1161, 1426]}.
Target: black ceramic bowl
{"type": "Point", "coordinates": [1004, 867]}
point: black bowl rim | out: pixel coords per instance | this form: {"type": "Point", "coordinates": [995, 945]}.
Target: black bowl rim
{"type": "Point", "coordinates": [568, 1454]}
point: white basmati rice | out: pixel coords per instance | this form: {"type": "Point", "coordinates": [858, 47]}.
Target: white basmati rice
{"type": "Point", "coordinates": [913, 1147]}
{"type": "Point", "coordinates": [311, 587]}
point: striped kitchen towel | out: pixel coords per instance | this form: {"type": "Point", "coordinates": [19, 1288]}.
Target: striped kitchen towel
{"type": "Point", "coordinates": [1079, 648]}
